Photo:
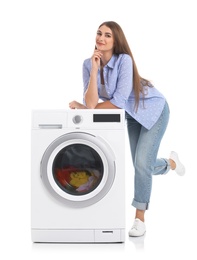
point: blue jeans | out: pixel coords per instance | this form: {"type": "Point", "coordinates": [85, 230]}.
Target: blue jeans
{"type": "Point", "coordinates": [144, 145]}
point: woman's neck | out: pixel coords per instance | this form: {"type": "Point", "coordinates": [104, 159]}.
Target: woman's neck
{"type": "Point", "coordinates": [105, 58]}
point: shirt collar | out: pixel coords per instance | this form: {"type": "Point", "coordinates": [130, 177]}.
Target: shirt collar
{"type": "Point", "coordinates": [111, 62]}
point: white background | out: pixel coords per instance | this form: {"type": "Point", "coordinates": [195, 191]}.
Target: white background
{"type": "Point", "coordinates": [42, 47]}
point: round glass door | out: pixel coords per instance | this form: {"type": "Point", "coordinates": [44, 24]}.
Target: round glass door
{"type": "Point", "coordinates": [78, 169]}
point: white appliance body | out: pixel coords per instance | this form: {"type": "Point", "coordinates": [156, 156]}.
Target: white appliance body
{"type": "Point", "coordinates": [77, 176]}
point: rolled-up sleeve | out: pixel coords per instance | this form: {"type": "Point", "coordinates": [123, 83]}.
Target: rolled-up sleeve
{"type": "Point", "coordinates": [124, 84]}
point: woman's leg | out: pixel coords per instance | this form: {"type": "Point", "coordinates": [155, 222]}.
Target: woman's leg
{"type": "Point", "coordinates": [146, 163]}
{"type": "Point", "coordinates": [144, 148]}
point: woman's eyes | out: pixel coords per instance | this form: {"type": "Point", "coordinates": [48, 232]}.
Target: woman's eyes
{"type": "Point", "coordinates": [106, 35]}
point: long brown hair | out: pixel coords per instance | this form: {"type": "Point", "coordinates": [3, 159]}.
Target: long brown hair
{"type": "Point", "coordinates": [121, 46]}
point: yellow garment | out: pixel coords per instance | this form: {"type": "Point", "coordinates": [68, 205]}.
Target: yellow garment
{"type": "Point", "coordinates": [78, 178]}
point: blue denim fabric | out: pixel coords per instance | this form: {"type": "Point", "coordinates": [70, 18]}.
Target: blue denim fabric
{"type": "Point", "coordinates": [144, 145]}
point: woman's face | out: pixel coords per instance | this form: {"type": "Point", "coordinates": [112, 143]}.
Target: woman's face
{"type": "Point", "coordinates": [104, 39]}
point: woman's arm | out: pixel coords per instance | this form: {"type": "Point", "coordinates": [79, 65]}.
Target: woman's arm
{"type": "Point", "coordinates": [76, 105]}
{"type": "Point", "coordinates": [91, 95]}
{"type": "Point", "coordinates": [103, 105]}
{"type": "Point", "coordinates": [106, 105]}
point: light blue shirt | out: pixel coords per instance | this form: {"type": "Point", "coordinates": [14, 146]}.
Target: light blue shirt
{"type": "Point", "coordinates": [118, 81]}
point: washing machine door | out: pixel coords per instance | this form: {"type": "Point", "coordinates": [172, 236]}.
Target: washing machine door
{"type": "Point", "coordinates": [78, 169]}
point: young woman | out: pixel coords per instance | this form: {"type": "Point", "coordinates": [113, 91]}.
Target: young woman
{"type": "Point", "coordinates": [111, 76]}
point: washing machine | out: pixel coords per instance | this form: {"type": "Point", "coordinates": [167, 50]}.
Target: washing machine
{"type": "Point", "coordinates": [78, 176]}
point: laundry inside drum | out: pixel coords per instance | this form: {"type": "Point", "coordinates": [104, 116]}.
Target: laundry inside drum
{"type": "Point", "coordinates": [78, 169]}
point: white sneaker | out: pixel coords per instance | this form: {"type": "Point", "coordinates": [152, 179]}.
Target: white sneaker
{"type": "Point", "coordinates": [138, 229]}
{"type": "Point", "coordinates": [180, 169]}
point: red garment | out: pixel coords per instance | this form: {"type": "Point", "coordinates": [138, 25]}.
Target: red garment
{"type": "Point", "coordinates": [63, 175]}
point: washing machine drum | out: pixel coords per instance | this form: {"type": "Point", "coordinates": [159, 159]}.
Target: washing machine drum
{"type": "Point", "coordinates": [78, 169]}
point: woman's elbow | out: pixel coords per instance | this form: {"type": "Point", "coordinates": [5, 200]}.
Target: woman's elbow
{"type": "Point", "coordinates": [90, 104]}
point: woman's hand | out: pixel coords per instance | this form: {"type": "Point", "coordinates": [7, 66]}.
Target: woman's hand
{"type": "Point", "coordinates": [96, 59]}
{"type": "Point", "coordinates": [76, 105]}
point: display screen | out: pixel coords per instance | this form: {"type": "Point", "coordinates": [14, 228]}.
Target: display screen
{"type": "Point", "coordinates": [106, 118]}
